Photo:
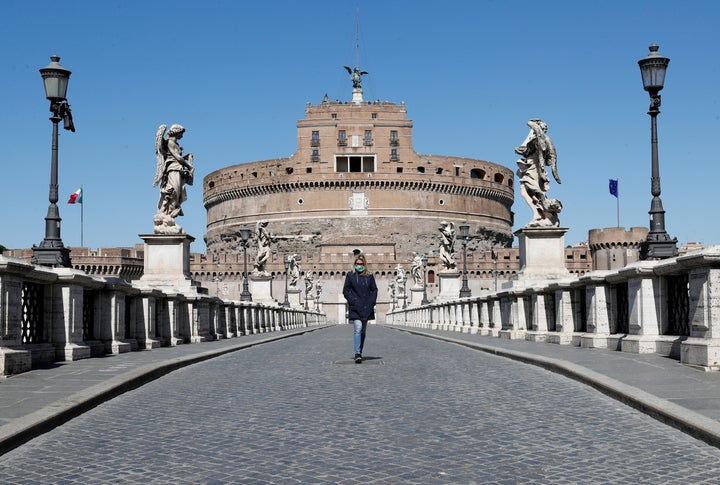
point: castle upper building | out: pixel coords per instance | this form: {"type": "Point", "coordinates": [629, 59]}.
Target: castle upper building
{"type": "Point", "coordinates": [355, 173]}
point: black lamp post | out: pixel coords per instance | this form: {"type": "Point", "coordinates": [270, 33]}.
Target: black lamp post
{"type": "Point", "coordinates": [245, 237]}
{"type": "Point", "coordinates": [464, 234]}
{"type": "Point", "coordinates": [306, 299]}
{"type": "Point", "coordinates": [318, 289]}
{"type": "Point", "coordinates": [287, 269]}
{"type": "Point", "coordinates": [658, 244]}
{"type": "Point", "coordinates": [425, 300]}
{"type": "Point", "coordinates": [51, 251]}
{"type": "Point", "coordinates": [217, 279]}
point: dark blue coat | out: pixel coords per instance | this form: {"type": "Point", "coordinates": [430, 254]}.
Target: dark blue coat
{"type": "Point", "coordinates": [360, 291]}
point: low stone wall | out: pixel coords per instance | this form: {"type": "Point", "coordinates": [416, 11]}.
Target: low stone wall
{"type": "Point", "coordinates": [669, 307]}
{"type": "Point", "coordinates": [63, 314]}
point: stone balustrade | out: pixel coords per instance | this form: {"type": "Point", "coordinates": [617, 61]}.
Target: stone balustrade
{"type": "Point", "coordinates": [669, 307]}
{"type": "Point", "coordinates": [63, 314]}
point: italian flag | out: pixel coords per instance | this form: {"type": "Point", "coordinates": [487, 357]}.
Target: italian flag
{"type": "Point", "coordinates": [76, 197]}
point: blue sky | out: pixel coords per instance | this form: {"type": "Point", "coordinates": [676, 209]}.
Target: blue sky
{"type": "Point", "coordinates": [237, 75]}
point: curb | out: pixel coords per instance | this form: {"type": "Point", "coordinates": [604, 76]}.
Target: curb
{"type": "Point", "coordinates": [24, 429]}
{"type": "Point", "coordinates": [687, 421]}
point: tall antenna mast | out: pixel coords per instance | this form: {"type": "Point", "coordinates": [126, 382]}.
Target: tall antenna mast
{"type": "Point", "coordinates": [357, 36]}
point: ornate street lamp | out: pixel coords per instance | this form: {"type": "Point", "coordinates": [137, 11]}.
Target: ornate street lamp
{"type": "Point", "coordinates": [658, 244]}
{"type": "Point", "coordinates": [245, 237]}
{"type": "Point", "coordinates": [287, 269]}
{"type": "Point", "coordinates": [425, 300]}
{"type": "Point", "coordinates": [217, 279]}
{"type": "Point", "coordinates": [318, 289]}
{"type": "Point", "coordinates": [464, 234]}
{"type": "Point", "coordinates": [51, 251]}
{"type": "Point", "coordinates": [306, 299]}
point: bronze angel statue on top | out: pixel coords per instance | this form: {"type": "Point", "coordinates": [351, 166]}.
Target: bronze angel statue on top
{"type": "Point", "coordinates": [538, 152]}
{"type": "Point", "coordinates": [356, 76]}
{"type": "Point", "coordinates": [174, 171]}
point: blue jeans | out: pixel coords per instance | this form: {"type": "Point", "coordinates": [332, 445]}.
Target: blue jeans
{"type": "Point", "coordinates": [359, 335]}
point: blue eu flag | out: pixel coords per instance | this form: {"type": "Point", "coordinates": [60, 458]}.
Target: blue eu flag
{"type": "Point", "coordinates": [614, 187]}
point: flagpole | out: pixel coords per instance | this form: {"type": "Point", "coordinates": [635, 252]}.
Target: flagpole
{"type": "Point", "coordinates": [82, 209]}
{"type": "Point", "coordinates": [617, 200]}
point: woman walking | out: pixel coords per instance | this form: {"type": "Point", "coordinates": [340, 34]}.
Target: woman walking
{"type": "Point", "coordinates": [360, 291]}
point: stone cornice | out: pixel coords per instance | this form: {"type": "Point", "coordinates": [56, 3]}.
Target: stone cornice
{"type": "Point", "coordinates": [498, 193]}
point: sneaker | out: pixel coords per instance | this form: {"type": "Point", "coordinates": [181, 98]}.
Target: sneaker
{"type": "Point", "coordinates": [358, 358]}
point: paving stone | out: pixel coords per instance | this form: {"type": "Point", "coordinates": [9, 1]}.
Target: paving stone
{"type": "Point", "coordinates": [433, 412]}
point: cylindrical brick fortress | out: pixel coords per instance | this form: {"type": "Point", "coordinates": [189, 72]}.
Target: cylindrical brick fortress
{"type": "Point", "coordinates": [355, 173]}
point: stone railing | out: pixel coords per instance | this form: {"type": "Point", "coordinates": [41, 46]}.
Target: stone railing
{"type": "Point", "coordinates": [49, 315]}
{"type": "Point", "coordinates": [669, 307]}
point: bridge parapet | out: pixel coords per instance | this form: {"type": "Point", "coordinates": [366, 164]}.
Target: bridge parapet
{"type": "Point", "coordinates": [63, 314]}
{"type": "Point", "coordinates": [669, 307]}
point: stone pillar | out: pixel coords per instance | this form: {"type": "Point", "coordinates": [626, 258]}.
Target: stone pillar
{"type": "Point", "coordinates": [484, 326]}
{"type": "Point", "coordinates": [67, 322]}
{"type": "Point", "coordinates": [495, 316]}
{"type": "Point", "coordinates": [540, 313]}
{"type": "Point", "coordinates": [201, 320]}
{"type": "Point", "coordinates": [646, 312]}
{"type": "Point", "coordinates": [515, 318]}
{"type": "Point", "coordinates": [174, 314]}
{"type": "Point", "coordinates": [598, 319]}
{"type": "Point", "coordinates": [703, 347]}
{"type": "Point", "coordinates": [13, 360]}
{"type": "Point", "coordinates": [564, 318]}
{"type": "Point", "coordinates": [474, 317]}
{"type": "Point", "coordinates": [112, 313]}
{"type": "Point", "coordinates": [147, 320]}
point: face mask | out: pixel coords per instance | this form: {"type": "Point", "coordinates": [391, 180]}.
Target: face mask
{"type": "Point", "coordinates": [359, 268]}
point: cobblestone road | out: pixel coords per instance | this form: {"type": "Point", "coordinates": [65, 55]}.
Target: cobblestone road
{"type": "Point", "coordinates": [417, 411]}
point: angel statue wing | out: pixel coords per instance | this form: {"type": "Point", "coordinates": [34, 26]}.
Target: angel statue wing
{"type": "Point", "coordinates": [160, 153]}
{"type": "Point", "coordinates": [348, 70]}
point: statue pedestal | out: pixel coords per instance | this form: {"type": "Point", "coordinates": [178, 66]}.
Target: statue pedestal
{"type": "Point", "coordinates": [449, 286]}
{"type": "Point", "coordinates": [542, 253]}
{"type": "Point", "coordinates": [357, 95]}
{"type": "Point", "coordinates": [167, 262]}
{"type": "Point", "coordinates": [416, 296]}
{"type": "Point", "coordinates": [261, 288]}
{"type": "Point", "coordinates": [294, 298]}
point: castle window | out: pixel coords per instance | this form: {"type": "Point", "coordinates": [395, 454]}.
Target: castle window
{"type": "Point", "coordinates": [421, 169]}
{"type": "Point", "coordinates": [308, 170]}
{"type": "Point", "coordinates": [394, 155]}
{"type": "Point", "coordinates": [364, 163]}
{"type": "Point", "coordinates": [334, 116]}
{"type": "Point", "coordinates": [315, 155]}
{"type": "Point", "coordinates": [457, 171]}
{"type": "Point", "coordinates": [368, 141]}
{"type": "Point", "coordinates": [342, 138]}
{"type": "Point", "coordinates": [374, 115]}
{"type": "Point", "coordinates": [439, 171]}
{"type": "Point", "coordinates": [315, 141]}
{"type": "Point", "coordinates": [476, 173]}
{"type": "Point", "coordinates": [499, 178]}
{"type": "Point", "coordinates": [399, 170]}
{"type": "Point", "coordinates": [394, 141]}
